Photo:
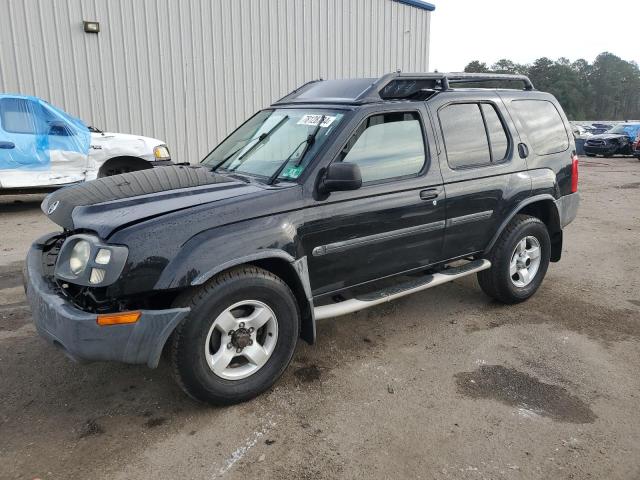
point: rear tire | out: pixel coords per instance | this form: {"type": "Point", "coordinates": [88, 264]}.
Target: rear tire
{"type": "Point", "coordinates": [211, 364]}
{"type": "Point", "coordinates": [519, 261]}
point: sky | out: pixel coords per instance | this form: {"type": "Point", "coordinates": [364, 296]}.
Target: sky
{"type": "Point", "coordinates": [522, 31]}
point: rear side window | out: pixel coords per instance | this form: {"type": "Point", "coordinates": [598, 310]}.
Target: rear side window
{"type": "Point", "coordinates": [543, 125]}
{"type": "Point", "coordinates": [18, 115]}
{"type": "Point", "coordinates": [387, 146]}
{"type": "Point", "coordinates": [473, 135]}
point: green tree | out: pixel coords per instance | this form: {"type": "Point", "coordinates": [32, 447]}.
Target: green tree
{"type": "Point", "coordinates": [608, 89]}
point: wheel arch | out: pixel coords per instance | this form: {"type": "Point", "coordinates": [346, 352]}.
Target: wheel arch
{"type": "Point", "coordinates": [543, 207]}
{"type": "Point", "coordinates": [293, 272]}
{"type": "Point", "coordinates": [138, 163]}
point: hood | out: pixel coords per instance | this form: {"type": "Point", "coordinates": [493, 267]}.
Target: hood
{"type": "Point", "coordinates": [125, 137]}
{"type": "Point", "coordinates": [106, 204]}
{"type": "Point", "coordinates": [607, 136]}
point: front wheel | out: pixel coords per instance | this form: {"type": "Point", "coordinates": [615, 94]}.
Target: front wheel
{"type": "Point", "coordinates": [519, 260]}
{"type": "Point", "coordinates": [239, 337]}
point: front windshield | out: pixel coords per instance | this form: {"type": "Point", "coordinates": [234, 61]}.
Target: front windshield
{"type": "Point", "coordinates": [624, 129]}
{"type": "Point", "coordinates": [270, 138]}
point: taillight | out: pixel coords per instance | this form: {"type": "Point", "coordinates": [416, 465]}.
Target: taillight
{"type": "Point", "coordinates": [574, 174]}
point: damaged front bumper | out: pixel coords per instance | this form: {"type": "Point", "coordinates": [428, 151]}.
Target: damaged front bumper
{"type": "Point", "coordinates": [78, 333]}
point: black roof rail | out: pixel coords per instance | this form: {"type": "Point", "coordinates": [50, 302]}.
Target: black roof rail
{"type": "Point", "coordinates": [439, 81]}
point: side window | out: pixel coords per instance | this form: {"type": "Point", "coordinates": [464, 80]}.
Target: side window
{"type": "Point", "coordinates": [464, 134]}
{"type": "Point", "coordinates": [387, 146]}
{"type": "Point", "coordinates": [18, 115]}
{"type": "Point", "coordinates": [497, 136]}
{"type": "Point", "coordinates": [543, 125]}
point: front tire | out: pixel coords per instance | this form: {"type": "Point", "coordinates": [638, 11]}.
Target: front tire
{"type": "Point", "coordinates": [239, 337]}
{"type": "Point", "coordinates": [519, 260]}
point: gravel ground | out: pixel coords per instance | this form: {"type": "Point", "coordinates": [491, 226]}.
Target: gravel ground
{"type": "Point", "coordinates": [444, 384]}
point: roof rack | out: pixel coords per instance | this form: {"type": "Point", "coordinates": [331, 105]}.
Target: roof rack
{"type": "Point", "coordinates": [403, 85]}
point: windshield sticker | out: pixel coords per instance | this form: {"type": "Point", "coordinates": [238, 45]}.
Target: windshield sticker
{"type": "Point", "coordinates": [313, 120]}
{"type": "Point", "coordinates": [292, 172]}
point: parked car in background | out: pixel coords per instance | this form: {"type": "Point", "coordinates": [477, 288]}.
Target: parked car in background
{"type": "Point", "coordinates": [636, 147]}
{"type": "Point", "coordinates": [42, 146]}
{"type": "Point", "coordinates": [598, 128]}
{"type": "Point", "coordinates": [342, 195]}
{"type": "Point", "coordinates": [616, 141]}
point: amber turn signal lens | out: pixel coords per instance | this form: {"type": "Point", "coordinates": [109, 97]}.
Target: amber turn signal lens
{"type": "Point", "coordinates": [118, 318]}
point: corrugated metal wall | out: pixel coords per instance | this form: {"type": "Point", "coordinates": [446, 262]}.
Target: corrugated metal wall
{"type": "Point", "coordinates": [189, 72]}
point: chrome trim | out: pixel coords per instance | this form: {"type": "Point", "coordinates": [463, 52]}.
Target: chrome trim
{"type": "Point", "coordinates": [378, 237]}
{"type": "Point", "coordinates": [472, 217]}
{"type": "Point", "coordinates": [354, 304]}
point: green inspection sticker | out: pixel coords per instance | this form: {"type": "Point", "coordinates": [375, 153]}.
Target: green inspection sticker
{"type": "Point", "coordinates": [292, 172]}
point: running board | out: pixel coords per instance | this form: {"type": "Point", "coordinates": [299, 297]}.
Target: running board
{"type": "Point", "coordinates": [376, 298]}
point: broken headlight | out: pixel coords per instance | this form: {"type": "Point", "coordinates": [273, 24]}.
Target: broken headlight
{"type": "Point", "coordinates": [86, 260]}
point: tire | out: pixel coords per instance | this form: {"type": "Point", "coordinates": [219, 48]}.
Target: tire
{"type": "Point", "coordinates": [497, 282]}
{"type": "Point", "coordinates": [591, 154]}
{"type": "Point", "coordinates": [198, 341]}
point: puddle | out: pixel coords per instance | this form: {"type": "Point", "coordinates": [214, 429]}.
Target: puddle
{"type": "Point", "coordinates": [527, 393]}
{"type": "Point", "coordinates": [308, 374]}
{"type": "Point", "coordinates": [629, 186]}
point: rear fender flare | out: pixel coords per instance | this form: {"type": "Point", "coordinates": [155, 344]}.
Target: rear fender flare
{"type": "Point", "coordinates": [518, 208]}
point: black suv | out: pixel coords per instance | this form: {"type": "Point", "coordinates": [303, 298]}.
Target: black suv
{"type": "Point", "coordinates": [342, 195]}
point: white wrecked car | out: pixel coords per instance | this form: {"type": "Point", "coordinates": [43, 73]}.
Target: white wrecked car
{"type": "Point", "coordinates": [42, 146]}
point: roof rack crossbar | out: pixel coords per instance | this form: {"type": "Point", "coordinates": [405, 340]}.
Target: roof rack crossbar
{"type": "Point", "coordinates": [445, 81]}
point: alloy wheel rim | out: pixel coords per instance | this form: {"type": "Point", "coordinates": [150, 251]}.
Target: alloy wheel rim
{"type": "Point", "coordinates": [525, 261]}
{"type": "Point", "coordinates": [241, 340]}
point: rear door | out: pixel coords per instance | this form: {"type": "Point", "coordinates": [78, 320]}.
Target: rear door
{"type": "Point", "coordinates": [484, 177]}
{"type": "Point", "coordinates": [395, 221]}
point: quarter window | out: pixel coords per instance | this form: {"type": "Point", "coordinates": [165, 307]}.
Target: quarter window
{"type": "Point", "coordinates": [544, 126]}
{"type": "Point", "coordinates": [473, 134]}
{"type": "Point", "coordinates": [387, 146]}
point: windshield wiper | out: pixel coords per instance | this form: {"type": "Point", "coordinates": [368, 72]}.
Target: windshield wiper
{"type": "Point", "coordinates": [260, 139]}
{"type": "Point", "coordinates": [311, 138]}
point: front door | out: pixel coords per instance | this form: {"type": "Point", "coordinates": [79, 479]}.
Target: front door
{"type": "Point", "coordinates": [394, 222]}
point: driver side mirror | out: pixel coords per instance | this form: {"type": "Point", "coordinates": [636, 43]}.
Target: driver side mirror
{"type": "Point", "coordinates": [339, 177]}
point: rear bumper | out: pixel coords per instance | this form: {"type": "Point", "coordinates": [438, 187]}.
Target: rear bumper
{"type": "Point", "coordinates": [78, 333]}
{"type": "Point", "coordinates": [568, 208]}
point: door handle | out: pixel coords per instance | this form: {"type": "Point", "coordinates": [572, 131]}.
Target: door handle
{"type": "Point", "coordinates": [7, 145]}
{"type": "Point", "coordinates": [429, 194]}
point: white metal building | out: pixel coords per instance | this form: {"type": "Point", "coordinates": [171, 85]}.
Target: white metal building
{"type": "Point", "coordinates": [190, 71]}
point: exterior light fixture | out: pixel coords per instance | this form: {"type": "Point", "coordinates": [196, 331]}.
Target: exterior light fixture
{"type": "Point", "coordinates": [91, 27]}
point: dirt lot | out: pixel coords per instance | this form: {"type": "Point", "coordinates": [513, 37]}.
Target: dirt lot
{"type": "Point", "coordinates": [443, 384]}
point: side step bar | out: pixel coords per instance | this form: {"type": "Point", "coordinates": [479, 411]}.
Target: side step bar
{"type": "Point", "coordinates": [407, 288]}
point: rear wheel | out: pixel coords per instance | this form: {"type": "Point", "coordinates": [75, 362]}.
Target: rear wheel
{"type": "Point", "coordinates": [519, 260]}
{"type": "Point", "coordinates": [239, 337]}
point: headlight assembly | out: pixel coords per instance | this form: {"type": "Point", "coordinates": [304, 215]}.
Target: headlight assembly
{"type": "Point", "coordinates": [85, 260]}
{"type": "Point", "coordinates": [79, 257]}
{"type": "Point", "coordinates": [161, 152]}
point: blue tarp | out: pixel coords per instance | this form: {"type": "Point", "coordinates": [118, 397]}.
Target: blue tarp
{"type": "Point", "coordinates": [30, 129]}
